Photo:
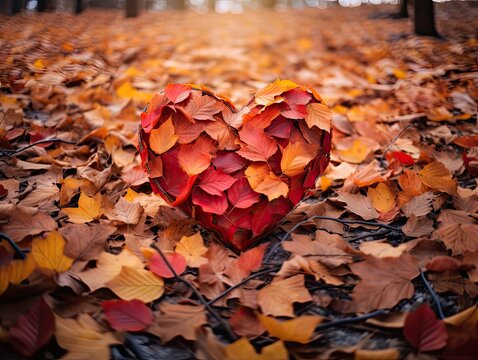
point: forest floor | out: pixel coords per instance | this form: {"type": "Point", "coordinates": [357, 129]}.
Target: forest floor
{"type": "Point", "coordinates": [401, 187]}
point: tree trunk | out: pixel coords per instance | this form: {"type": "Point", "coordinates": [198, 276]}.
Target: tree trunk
{"type": "Point", "coordinates": [41, 5]}
{"type": "Point", "coordinates": [79, 7]}
{"type": "Point", "coordinates": [425, 18]}
{"type": "Point", "coordinates": [11, 7]}
{"type": "Point", "coordinates": [132, 8]}
{"type": "Point", "coordinates": [178, 4]}
{"type": "Point", "coordinates": [403, 12]}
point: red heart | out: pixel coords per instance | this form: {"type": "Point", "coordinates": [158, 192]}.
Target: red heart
{"type": "Point", "coordinates": [237, 172]}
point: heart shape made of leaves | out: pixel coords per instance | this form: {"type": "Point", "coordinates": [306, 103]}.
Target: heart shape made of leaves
{"type": "Point", "coordinates": [236, 172]}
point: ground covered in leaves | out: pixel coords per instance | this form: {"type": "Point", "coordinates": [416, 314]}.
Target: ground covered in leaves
{"type": "Point", "coordinates": [380, 263]}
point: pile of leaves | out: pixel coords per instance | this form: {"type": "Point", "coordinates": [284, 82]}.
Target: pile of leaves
{"type": "Point", "coordinates": [380, 263]}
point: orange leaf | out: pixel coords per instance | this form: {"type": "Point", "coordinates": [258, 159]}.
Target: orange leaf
{"type": "Point", "coordinates": [295, 157]}
{"type": "Point", "coordinates": [88, 209]}
{"type": "Point", "coordinates": [163, 138]}
{"type": "Point", "coordinates": [356, 154]}
{"type": "Point", "coordinates": [298, 330]}
{"type": "Point", "coordinates": [193, 249]}
{"type": "Point", "coordinates": [267, 95]}
{"type": "Point", "coordinates": [319, 115]}
{"type": "Point", "coordinates": [436, 176]}
{"type": "Point", "coordinates": [383, 198]}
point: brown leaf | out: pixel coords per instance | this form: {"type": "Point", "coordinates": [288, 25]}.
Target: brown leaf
{"type": "Point", "coordinates": [20, 224]}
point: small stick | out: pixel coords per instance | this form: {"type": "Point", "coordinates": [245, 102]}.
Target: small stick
{"type": "Point", "coordinates": [350, 320]}
{"type": "Point", "coordinates": [343, 221]}
{"type": "Point", "coordinates": [433, 294]}
{"type": "Point", "coordinates": [394, 140]}
{"type": "Point", "coordinates": [6, 152]}
{"type": "Point", "coordinates": [242, 282]}
{"type": "Point", "coordinates": [221, 321]}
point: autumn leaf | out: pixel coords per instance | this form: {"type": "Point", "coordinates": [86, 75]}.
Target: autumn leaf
{"type": "Point", "coordinates": [193, 249]}
{"type": "Point", "coordinates": [277, 298]}
{"type": "Point", "coordinates": [383, 198]}
{"type": "Point", "coordinates": [242, 349]}
{"type": "Point", "coordinates": [298, 330]}
{"type": "Point", "coordinates": [424, 331]}
{"type": "Point", "coordinates": [295, 157]}
{"type": "Point", "coordinates": [245, 322]}
{"type": "Point", "coordinates": [125, 315]}
{"type": "Point", "coordinates": [384, 282]}
{"type": "Point", "coordinates": [436, 176]}
{"type": "Point", "coordinates": [267, 95]}
{"type": "Point", "coordinates": [215, 182]}
{"type": "Point", "coordinates": [108, 266]}
{"type": "Point", "coordinates": [177, 92]}
{"type": "Point", "coordinates": [319, 115]}
{"type": "Point", "coordinates": [195, 158]}
{"type": "Point", "coordinates": [135, 283]}
{"type": "Point", "coordinates": [21, 225]}
{"type": "Point", "coordinates": [125, 211]}
{"type": "Point", "coordinates": [257, 145]}
{"type": "Point", "coordinates": [83, 338]}
{"type": "Point", "coordinates": [355, 154]}
{"type": "Point", "coordinates": [210, 203]}
{"type": "Point", "coordinates": [158, 266]}
{"type": "Point", "coordinates": [459, 238]}
{"type": "Point", "coordinates": [163, 138]}
{"type": "Point", "coordinates": [48, 253]}
{"type": "Point", "coordinates": [202, 107]}
{"type": "Point", "coordinates": [178, 320]}
{"type": "Point", "coordinates": [359, 204]}
{"type": "Point", "coordinates": [33, 329]}
{"type": "Point", "coordinates": [241, 195]}
{"type": "Point", "coordinates": [89, 209]}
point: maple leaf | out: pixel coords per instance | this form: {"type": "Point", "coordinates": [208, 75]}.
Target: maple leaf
{"type": "Point", "coordinates": [163, 138]}
{"type": "Point", "coordinates": [277, 298]}
{"type": "Point", "coordinates": [83, 338]}
{"type": "Point", "coordinates": [384, 282]}
{"type": "Point", "coordinates": [136, 283]}
{"type": "Point", "coordinates": [48, 253]}
{"type": "Point", "coordinates": [124, 315]}
{"type": "Point", "coordinates": [257, 145]}
{"type": "Point", "coordinates": [178, 320]}
{"type": "Point", "coordinates": [319, 115]}
{"type": "Point", "coordinates": [33, 329]}
{"type": "Point", "coordinates": [424, 331]}
{"type": "Point", "coordinates": [296, 156]}
{"type": "Point", "coordinates": [89, 209]}
{"type": "Point", "coordinates": [298, 330]}
{"type": "Point", "coordinates": [193, 249]}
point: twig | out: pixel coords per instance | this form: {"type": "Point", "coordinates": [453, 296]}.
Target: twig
{"type": "Point", "coordinates": [394, 140]}
{"type": "Point", "coordinates": [433, 294]}
{"type": "Point", "coordinates": [342, 221]}
{"type": "Point", "coordinates": [6, 152]}
{"type": "Point", "coordinates": [242, 282]}
{"type": "Point", "coordinates": [14, 246]}
{"type": "Point", "coordinates": [350, 320]}
{"type": "Point", "coordinates": [364, 236]}
{"type": "Point", "coordinates": [221, 321]}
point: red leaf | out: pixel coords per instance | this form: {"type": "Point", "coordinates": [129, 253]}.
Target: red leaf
{"type": "Point", "coordinates": [177, 92]}
{"type": "Point", "coordinates": [241, 194]}
{"type": "Point", "coordinates": [297, 97]}
{"type": "Point", "coordinates": [401, 157]}
{"type": "Point", "coordinates": [258, 146]}
{"type": "Point", "coordinates": [3, 192]}
{"type": "Point", "coordinates": [280, 127]}
{"type": "Point", "coordinates": [210, 203]}
{"type": "Point", "coordinates": [268, 214]}
{"type": "Point", "coordinates": [33, 330]}
{"type": "Point", "coordinates": [159, 266]}
{"type": "Point", "coordinates": [228, 162]}
{"type": "Point", "coordinates": [250, 260]}
{"type": "Point", "coordinates": [445, 263]}
{"type": "Point", "coordinates": [424, 331]}
{"type": "Point", "coordinates": [124, 315]}
{"type": "Point", "coordinates": [215, 182]}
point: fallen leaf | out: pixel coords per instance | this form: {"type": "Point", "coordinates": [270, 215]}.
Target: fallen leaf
{"type": "Point", "coordinates": [158, 266]}
{"type": "Point", "coordinates": [89, 209]}
{"type": "Point", "coordinates": [295, 158]}
{"type": "Point", "coordinates": [242, 349]}
{"type": "Point", "coordinates": [48, 253]}
{"type": "Point", "coordinates": [193, 249]}
{"type": "Point", "coordinates": [319, 115]}
{"type": "Point", "coordinates": [298, 330]}
{"type": "Point", "coordinates": [20, 225]}
{"type": "Point", "coordinates": [125, 315]}
{"type": "Point", "coordinates": [277, 298]}
{"type": "Point", "coordinates": [436, 176]}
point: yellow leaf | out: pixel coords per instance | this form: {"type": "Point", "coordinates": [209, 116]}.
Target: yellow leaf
{"type": "Point", "coordinates": [436, 176]}
{"type": "Point", "coordinates": [356, 154]}
{"type": "Point", "coordinates": [242, 349]}
{"type": "Point", "coordinates": [108, 266]}
{"type": "Point", "coordinates": [126, 90]}
{"type": "Point", "coordinates": [48, 253]}
{"type": "Point", "coordinates": [399, 74]}
{"type": "Point", "coordinates": [298, 330]}
{"type": "Point", "coordinates": [383, 198]}
{"type": "Point", "coordinates": [325, 182]}
{"type": "Point", "coordinates": [39, 64]}
{"type": "Point", "coordinates": [83, 338]}
{"type": "Point", "coordinates": [193, 249]}
{"type": "Point", "coordinates": [256, 173]}
{"type": "Point", "coordinates": [131, 195]}
{"type": "Point", "coordinates": [319, 115]}
{"type": "Point", "coordinates": [295, 157]}
{"type": "Point", "coordinates": [20, 270]}
{"type": "Point", "coordinates": [163, 138]}
{"type": "Point", "coordinates": [304, 44]}
{"type": "Point", "coordinates": [136, 283]}
{"type": "Point", "coordinates": [88, 209]}
{"type": "Point", "coordinates": [267, 95]}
